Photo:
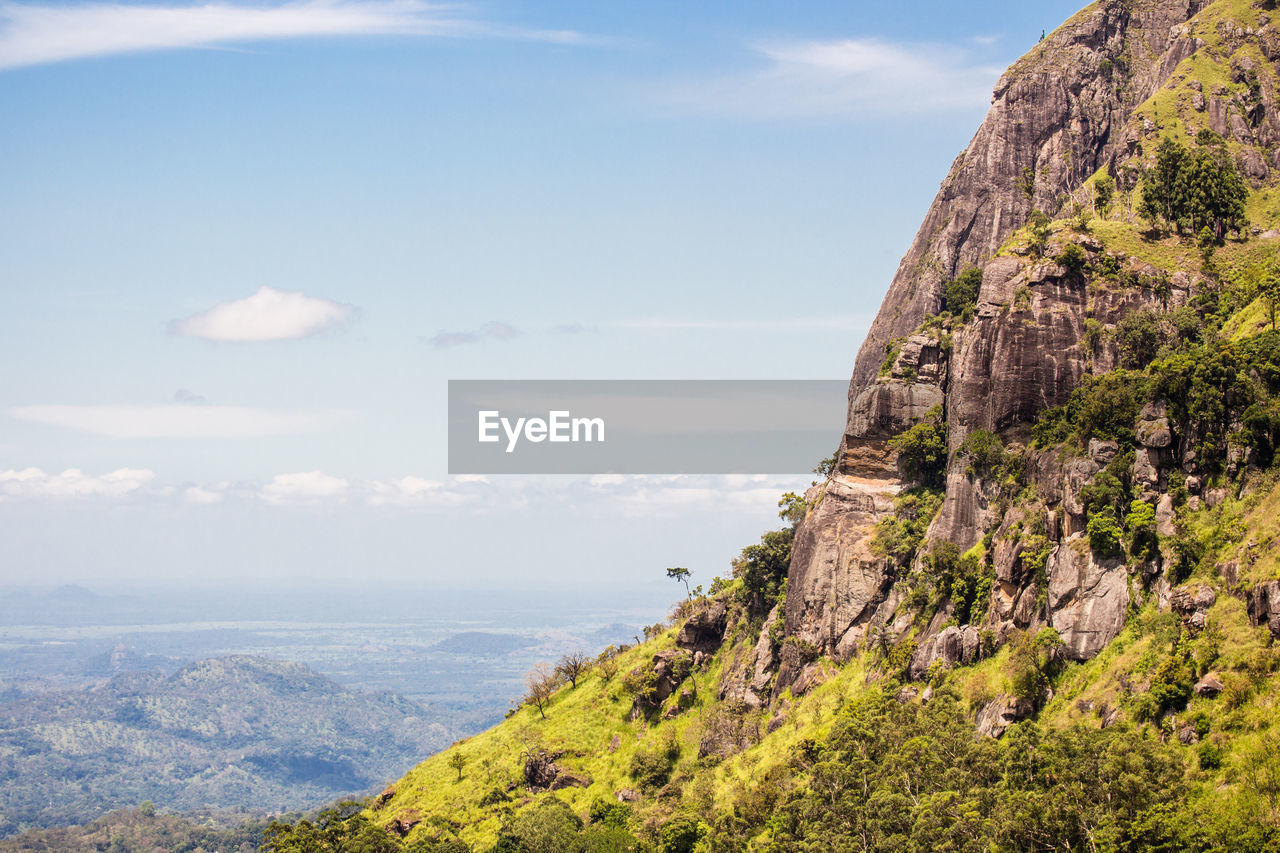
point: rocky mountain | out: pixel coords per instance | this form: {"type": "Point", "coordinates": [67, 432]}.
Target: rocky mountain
{"type": "Point", "coordinates": [1098, 93]}
{"type": "Point", "coordinates": [1033, 605]}
{"type": "Point", "coordinates": [242, 733]}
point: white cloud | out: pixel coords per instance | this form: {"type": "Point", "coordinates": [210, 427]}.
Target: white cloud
{"type": "Point", "coordinates": [268, 315]}
{"type": "Point", "coordinates": [494, 330]}
{"type": "Point", "coordinates": [38, 33]}
{"type": "Point", "coordinates": [201, 495]}
{"type": "Point", "coordinates": [172, 420]}
{"type": "Point", "coordinates": [303, 487]}
{"type": "Point", "coordinates": [849, 78]}
{"type": "Point", "coordinates": [72, 483]}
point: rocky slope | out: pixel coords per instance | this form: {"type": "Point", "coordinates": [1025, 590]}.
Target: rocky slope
{"type": "Point", "coordinates": [1099, 92]}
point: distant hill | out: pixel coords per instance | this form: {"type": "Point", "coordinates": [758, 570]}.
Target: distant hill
{"type": "Point", "coordinates": [245, 733]}
{"type": "Point", "coordinates": [483, 644]}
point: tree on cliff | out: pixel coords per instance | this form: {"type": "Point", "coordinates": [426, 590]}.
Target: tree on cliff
{"type": "Point", "coordinates": [922, 450]}
{"type": "Point", "coordinates": [1195, 189]}
{"type": "Point", "coordinates": [680, 573]}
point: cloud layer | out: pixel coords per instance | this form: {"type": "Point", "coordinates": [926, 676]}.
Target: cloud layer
{"type": "Point", "coordinates": [303, 487]}
{"type": "Point", "coordinates": [847, 78]}
{"type": "Point", "coordinates": [268, 315]}
{"type": "Point", "coordinates": [72, 483]}
{"type": "Point", "coordinates": [176, 420]}
{"type": "Point", "coordinates": [35, 34]}
{"type": "Point", "coordinates": [609, 496]}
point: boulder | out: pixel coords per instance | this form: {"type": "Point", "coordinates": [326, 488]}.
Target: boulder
{"type": "Point", "coordinates": [1102, 452]}
{"type": "Point", "coordinates": [542, 773]}
{"type": "Point", "coordinates": [402, 823]}
{"type": "Point", "coordinates": [1211, 685]}
{"type": "Point", "coordinates": [1263, 605]}
{"type": "Point", "coordinates": [1000, 713]}
{"type": "Point", "coordinates": [704, 630]}
{"type": "Point", "coordinates": [1192, 603]}
{"type": "Point", "coordinates": [1087, 599]}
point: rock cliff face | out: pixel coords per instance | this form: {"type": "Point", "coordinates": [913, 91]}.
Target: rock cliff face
{"type": "Point", "coordinates": [1056, 116]}
{"type": "Point", "coordinates": [1082, 99]}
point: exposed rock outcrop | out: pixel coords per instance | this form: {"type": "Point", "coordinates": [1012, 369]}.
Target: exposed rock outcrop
{"type": "Point", "coordinates": [1264, 606]}
{"type": "Point", "coordinates": [703, 631]}
{"type": "Point", "coordinates": [1002, 712]}
{"type": "Point", "coordinates": [1087, 599]}
{"type": "Point", "coordinates": [542, 773]}
{"type": "Point", "coordinates": [1054, 119]}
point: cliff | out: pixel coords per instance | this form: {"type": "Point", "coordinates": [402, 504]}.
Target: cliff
{"type": "Point", "coordinates": [1094, 97]}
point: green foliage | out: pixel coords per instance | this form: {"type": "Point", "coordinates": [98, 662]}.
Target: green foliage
{"type": "Point", "coordinates": [904, 776]}
{"type": "Point", "coordinates": [1038, 232]}
{"type": "Point", "coordinates": [762, 568]}
{"type": "Point", "coordinates": [609, 812]}
{"type": "Point", "coordinates": [1171, 684]}
{"type": "Point", "coordinates": [680, 834]}
{"type": "Point", "coordinates": [1191, 190]}
{"type": "Point", "coordinates": [1034, 661]}
{"type": "Point", "coordinates": [922, 450]}
{"type": "Point", "coordinates": [1103, 407]}
{"type": "Point", "coordinates": [985, 452]}
{"type": "Point", "coordinates": [960, 294]}
{"type": "Point", "coordinates": [898, 536]}
{"type": "Point", "coordinates": [135, 829]}
{"type": "Point", "coordinates": [1104, 189]}
{"type": "Point", "coordinates": [1105, 534]}
{"type": "Point", "coordinates": [1209, 756]}
{"type": "Point", "coordinates": [339, 829]}
{"type": "Point", "coordinates": [1140, 522]}
{"type": "Point", "coordinates": [792, 508]}
{"type": "Point", "coordinates": [651, 765]}
{"type": "Point", "coordinates": [1138, 337]}
{"type": "Point", "coordinates": [1072, 257]}
{"type": "Point", "coordinates": [826, 467]}
{"type": "Point", "coordinates": [680, 575]}
{"type": "Point", "coordinates": [548, 826]}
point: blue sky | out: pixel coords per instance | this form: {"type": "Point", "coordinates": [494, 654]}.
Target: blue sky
{"type": "Point", "coordinates": [245, 245]}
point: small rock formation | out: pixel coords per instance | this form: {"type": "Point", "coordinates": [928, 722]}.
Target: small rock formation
{"type": "Point", "coordinates": [403, 822]}
{"type": "Point", "coordinates": [1192, 604]}
{"type": "Point", "coordinates": [951, 647]}
{"type": "Point", "coordinates": [1211, 685]}
{"type": "Point", "coordinates": [1264, 606]}
{"type": "Point", "coordinates": [704, 630]}
{"type": "Point", "coordinates": [542, 773]}
{"type": "Point", "coordinates": [669, 670]}
{"type": "Point", "coordinates": [381, 799]}
{"type": "Point", "coordinates": [747, 678]}
{"type": "Point", "coordinates": [1002, 712]}
{"type": "Point", "coordinates": [1087, 599]}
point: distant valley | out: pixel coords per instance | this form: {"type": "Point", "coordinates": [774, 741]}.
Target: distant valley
{"type": "Point", "coordinates": [104, 704]}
